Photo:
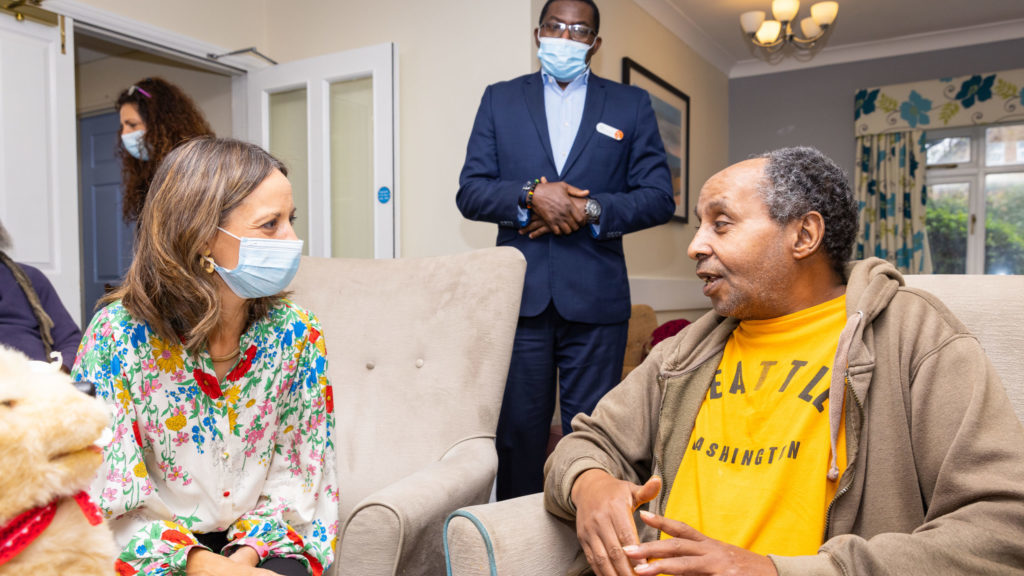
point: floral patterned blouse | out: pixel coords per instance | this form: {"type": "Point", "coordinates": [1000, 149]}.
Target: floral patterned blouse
{"type": "Point", "coordinates": [252, 454]}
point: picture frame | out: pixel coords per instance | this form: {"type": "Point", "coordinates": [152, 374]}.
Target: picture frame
{"type": "Point", "coordinates": [672, 111]}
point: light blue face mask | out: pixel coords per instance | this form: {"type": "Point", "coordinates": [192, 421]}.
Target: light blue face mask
{"type": "Point", "coordinates": [135, 146]}
{"type": "Point", "coordinates": [265, 266]}
{"type": "Point", "coordinates": [563, 58]}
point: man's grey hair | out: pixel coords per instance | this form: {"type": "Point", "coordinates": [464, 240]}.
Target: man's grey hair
{"type": "Point", "coordinates": [5, 239]}
{"type": "Point", "coordinates": [799, 180]}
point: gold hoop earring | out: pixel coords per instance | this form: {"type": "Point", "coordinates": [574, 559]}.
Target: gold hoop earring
{"type": "Point", "coordinates": [206, 262]}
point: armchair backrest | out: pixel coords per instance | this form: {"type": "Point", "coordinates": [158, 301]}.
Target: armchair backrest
{"type": "Point", "coordinates": [992, 308]}
{"type": "Point", "coordinates": [418, 353]}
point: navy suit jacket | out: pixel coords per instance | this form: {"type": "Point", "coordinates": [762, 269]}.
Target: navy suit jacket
{"type": "Point", "coordinates": [584, 276]}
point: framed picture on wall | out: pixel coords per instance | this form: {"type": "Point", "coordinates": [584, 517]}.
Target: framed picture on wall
{"type": "Point", "coordinates": [672, 111]}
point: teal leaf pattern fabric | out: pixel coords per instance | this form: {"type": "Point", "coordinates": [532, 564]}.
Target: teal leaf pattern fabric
{"type": "Point", "coordinates": [944, 103]}
{"type": "Point", "coordinates": [251, 454]}
{"type": "Point", "coordinates": [891, 195]}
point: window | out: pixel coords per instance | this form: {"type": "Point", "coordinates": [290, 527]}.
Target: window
{"type": "Point", "coordinates": [975, 213]}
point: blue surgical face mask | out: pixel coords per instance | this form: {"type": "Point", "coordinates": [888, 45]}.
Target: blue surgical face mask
{"type": "Point", "coordinates": [265, 266]}
{"type": "Point", "coordinates": [134, 145]}
{"type": "Point", "coordinates": [563, 58]}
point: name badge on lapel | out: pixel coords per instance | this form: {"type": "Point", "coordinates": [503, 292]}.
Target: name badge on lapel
{"type": "Point", "coordinates": [610, 131]}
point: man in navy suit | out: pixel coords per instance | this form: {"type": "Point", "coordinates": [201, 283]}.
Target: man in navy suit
{"type": "Point", "coordinates": [565, 163]}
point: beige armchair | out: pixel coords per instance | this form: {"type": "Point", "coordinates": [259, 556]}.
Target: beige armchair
{"type": "Point", "coordinates": [418, 353]}
{"type": "Point", "coordinates": [519, 538]}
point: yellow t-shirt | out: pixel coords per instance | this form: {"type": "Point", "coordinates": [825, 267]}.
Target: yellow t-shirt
{"type": "Point", "coordinates": [755, 471]}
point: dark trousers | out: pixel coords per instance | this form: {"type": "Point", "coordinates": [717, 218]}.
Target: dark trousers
{"type": "Point", "coordinates": [583, 360]}
{"type": "Point", "coordinates": [286, 566]}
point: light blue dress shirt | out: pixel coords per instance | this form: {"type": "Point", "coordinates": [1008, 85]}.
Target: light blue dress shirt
{"type": "Point", "coordinates": [564, 110]}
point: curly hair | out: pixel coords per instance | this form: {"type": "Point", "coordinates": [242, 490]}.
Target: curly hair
{"type": "Point", "coordinates": [195, 188]}
{"type": "Point", "coordinates": [799, 180]}
{"type": "Point", "coordinates": [171, 117]}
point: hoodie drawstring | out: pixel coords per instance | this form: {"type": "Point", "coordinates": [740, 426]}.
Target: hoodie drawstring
{"type": "Point", "coordinates": [840, 369]}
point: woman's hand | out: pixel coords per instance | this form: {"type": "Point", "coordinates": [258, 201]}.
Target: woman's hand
{"type": "Point", "coordinates": [202, 562]}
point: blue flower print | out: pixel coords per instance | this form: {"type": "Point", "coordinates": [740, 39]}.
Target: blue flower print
{"type": "Point", "coordinates": [299, 328]}
{"type": "Point", "coordinates": [915, 109]}
{"type": "Point", "coordinates": [975, 87]}
{"type": "Point", "coordinates": [864, 102]}
{"type": "Point", "coordinates": [138, 335]}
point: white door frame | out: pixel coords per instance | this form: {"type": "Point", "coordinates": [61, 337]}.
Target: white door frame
{"type": "Point", "coordinates": [316, 75]}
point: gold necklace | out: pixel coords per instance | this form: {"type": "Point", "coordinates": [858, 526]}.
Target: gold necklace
{"type": "Point", "coordinates": [226, 357]}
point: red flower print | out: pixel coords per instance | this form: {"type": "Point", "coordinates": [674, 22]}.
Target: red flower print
{"type": "Point", "coordinates": [314, 564]}
{"type": "Point", "coordinates": [329, 398]}
{"type": "Point", "coordinates": [176, 537]}
{"type": "Point", "coordinates": [138, 435]}
{"type": "Point", "coordinates": [314, 335]}
{"type": "Point", "coordinates": [243, 367]}
{"type": "Point", "coordinates": [207, 383]}
{"type": "Point", "coordinates": [294, 537]}
{"type": "Point", "coordinates": [123, 568]}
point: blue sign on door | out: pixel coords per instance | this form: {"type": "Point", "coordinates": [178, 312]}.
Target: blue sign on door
{"type": "Point", "coordinates": [384, 195]}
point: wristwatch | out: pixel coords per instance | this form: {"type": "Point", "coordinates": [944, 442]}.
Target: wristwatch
{"type": "Point", "coordinates": [592, 209]}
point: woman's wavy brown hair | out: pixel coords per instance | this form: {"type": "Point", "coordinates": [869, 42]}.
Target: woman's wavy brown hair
{"type": "Point", "coordinates": [171, 117]}
{"type": "Point", "coordinates": [195, 188]}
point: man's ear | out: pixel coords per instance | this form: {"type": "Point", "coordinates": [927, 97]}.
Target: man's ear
{"type": "Point", "coordinates": [810, 234]}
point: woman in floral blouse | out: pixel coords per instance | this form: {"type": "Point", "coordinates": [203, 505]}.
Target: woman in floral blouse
{"type": "Point", "coordinates": [222, 458]}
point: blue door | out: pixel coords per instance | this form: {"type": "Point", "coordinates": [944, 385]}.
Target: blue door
{"type": "Point", "coordinates": [107, 242]}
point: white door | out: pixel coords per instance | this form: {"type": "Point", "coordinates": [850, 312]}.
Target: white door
{"type": "Point", "coordinates": [331, 119]}
{"type": "Point", "coordinates": [38, 170]}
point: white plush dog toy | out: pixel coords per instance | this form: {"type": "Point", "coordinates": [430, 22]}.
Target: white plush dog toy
{"type": "Point", "coordinates": [48, 459]}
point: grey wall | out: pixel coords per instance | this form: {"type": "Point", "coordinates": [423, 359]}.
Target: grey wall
{"type": "Point", "coordinates": [814, 107]}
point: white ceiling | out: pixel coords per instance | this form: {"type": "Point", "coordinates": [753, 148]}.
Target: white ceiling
{"type": "Point", "coordinates": [864, 29]}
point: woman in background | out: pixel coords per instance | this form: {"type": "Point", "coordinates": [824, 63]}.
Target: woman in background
{"type": "Point", "coordinates": [156, 116]}
{"type": "Point", "coordinates": [222, 459]}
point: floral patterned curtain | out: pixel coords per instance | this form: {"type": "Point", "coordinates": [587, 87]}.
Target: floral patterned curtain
{"type": "Point", "coordinates": [889, 174]}
{"type": "Point", "coordinates": [891, 196]}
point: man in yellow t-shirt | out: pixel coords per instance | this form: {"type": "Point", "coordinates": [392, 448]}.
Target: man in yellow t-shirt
{"type": "Point", "coordinates": [822, 420]}
{"type": "Point", "coordinates": [759, 452]}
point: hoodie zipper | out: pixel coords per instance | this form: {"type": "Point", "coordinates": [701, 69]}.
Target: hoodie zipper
{"type": "Point", "coordinates": [850, 466]}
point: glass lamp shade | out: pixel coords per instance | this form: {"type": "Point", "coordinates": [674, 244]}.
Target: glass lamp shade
{"type": "Point", "coordinates": [824, 13]}
{"type": "Point", "coordinates": [785, 10]}
{"type": "Point", "coordinates": [751, 21]}
{"type": "Point", "coordinates": [809, 28]}
{"type": "Point", "coordinates": [769, 31]}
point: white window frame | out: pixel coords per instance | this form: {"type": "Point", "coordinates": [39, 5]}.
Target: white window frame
{"type": "Point", "coordinates": [973, 173]}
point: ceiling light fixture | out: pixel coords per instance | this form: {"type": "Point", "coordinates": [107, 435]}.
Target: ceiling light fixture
{"type": "Point", "coordinates": [774, 35]}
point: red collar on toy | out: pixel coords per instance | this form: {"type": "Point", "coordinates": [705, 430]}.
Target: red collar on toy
{"type": "Point", "coordinates": [17, 534]}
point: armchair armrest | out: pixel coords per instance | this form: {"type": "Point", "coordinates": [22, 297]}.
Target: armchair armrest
{"type": "Point", "coordinates": [515, 537]}
{"type": "Point", "coordinates": [405, 519]}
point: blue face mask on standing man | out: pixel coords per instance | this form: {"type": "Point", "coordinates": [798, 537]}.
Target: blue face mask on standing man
{"type": "Point", "coordinates": [562, 58]}
{"type": "Point", "coordinates": [265, 266]}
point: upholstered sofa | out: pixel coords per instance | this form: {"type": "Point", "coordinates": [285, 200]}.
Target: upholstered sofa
{"type": "Point", "coordinates": [519, 538]}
